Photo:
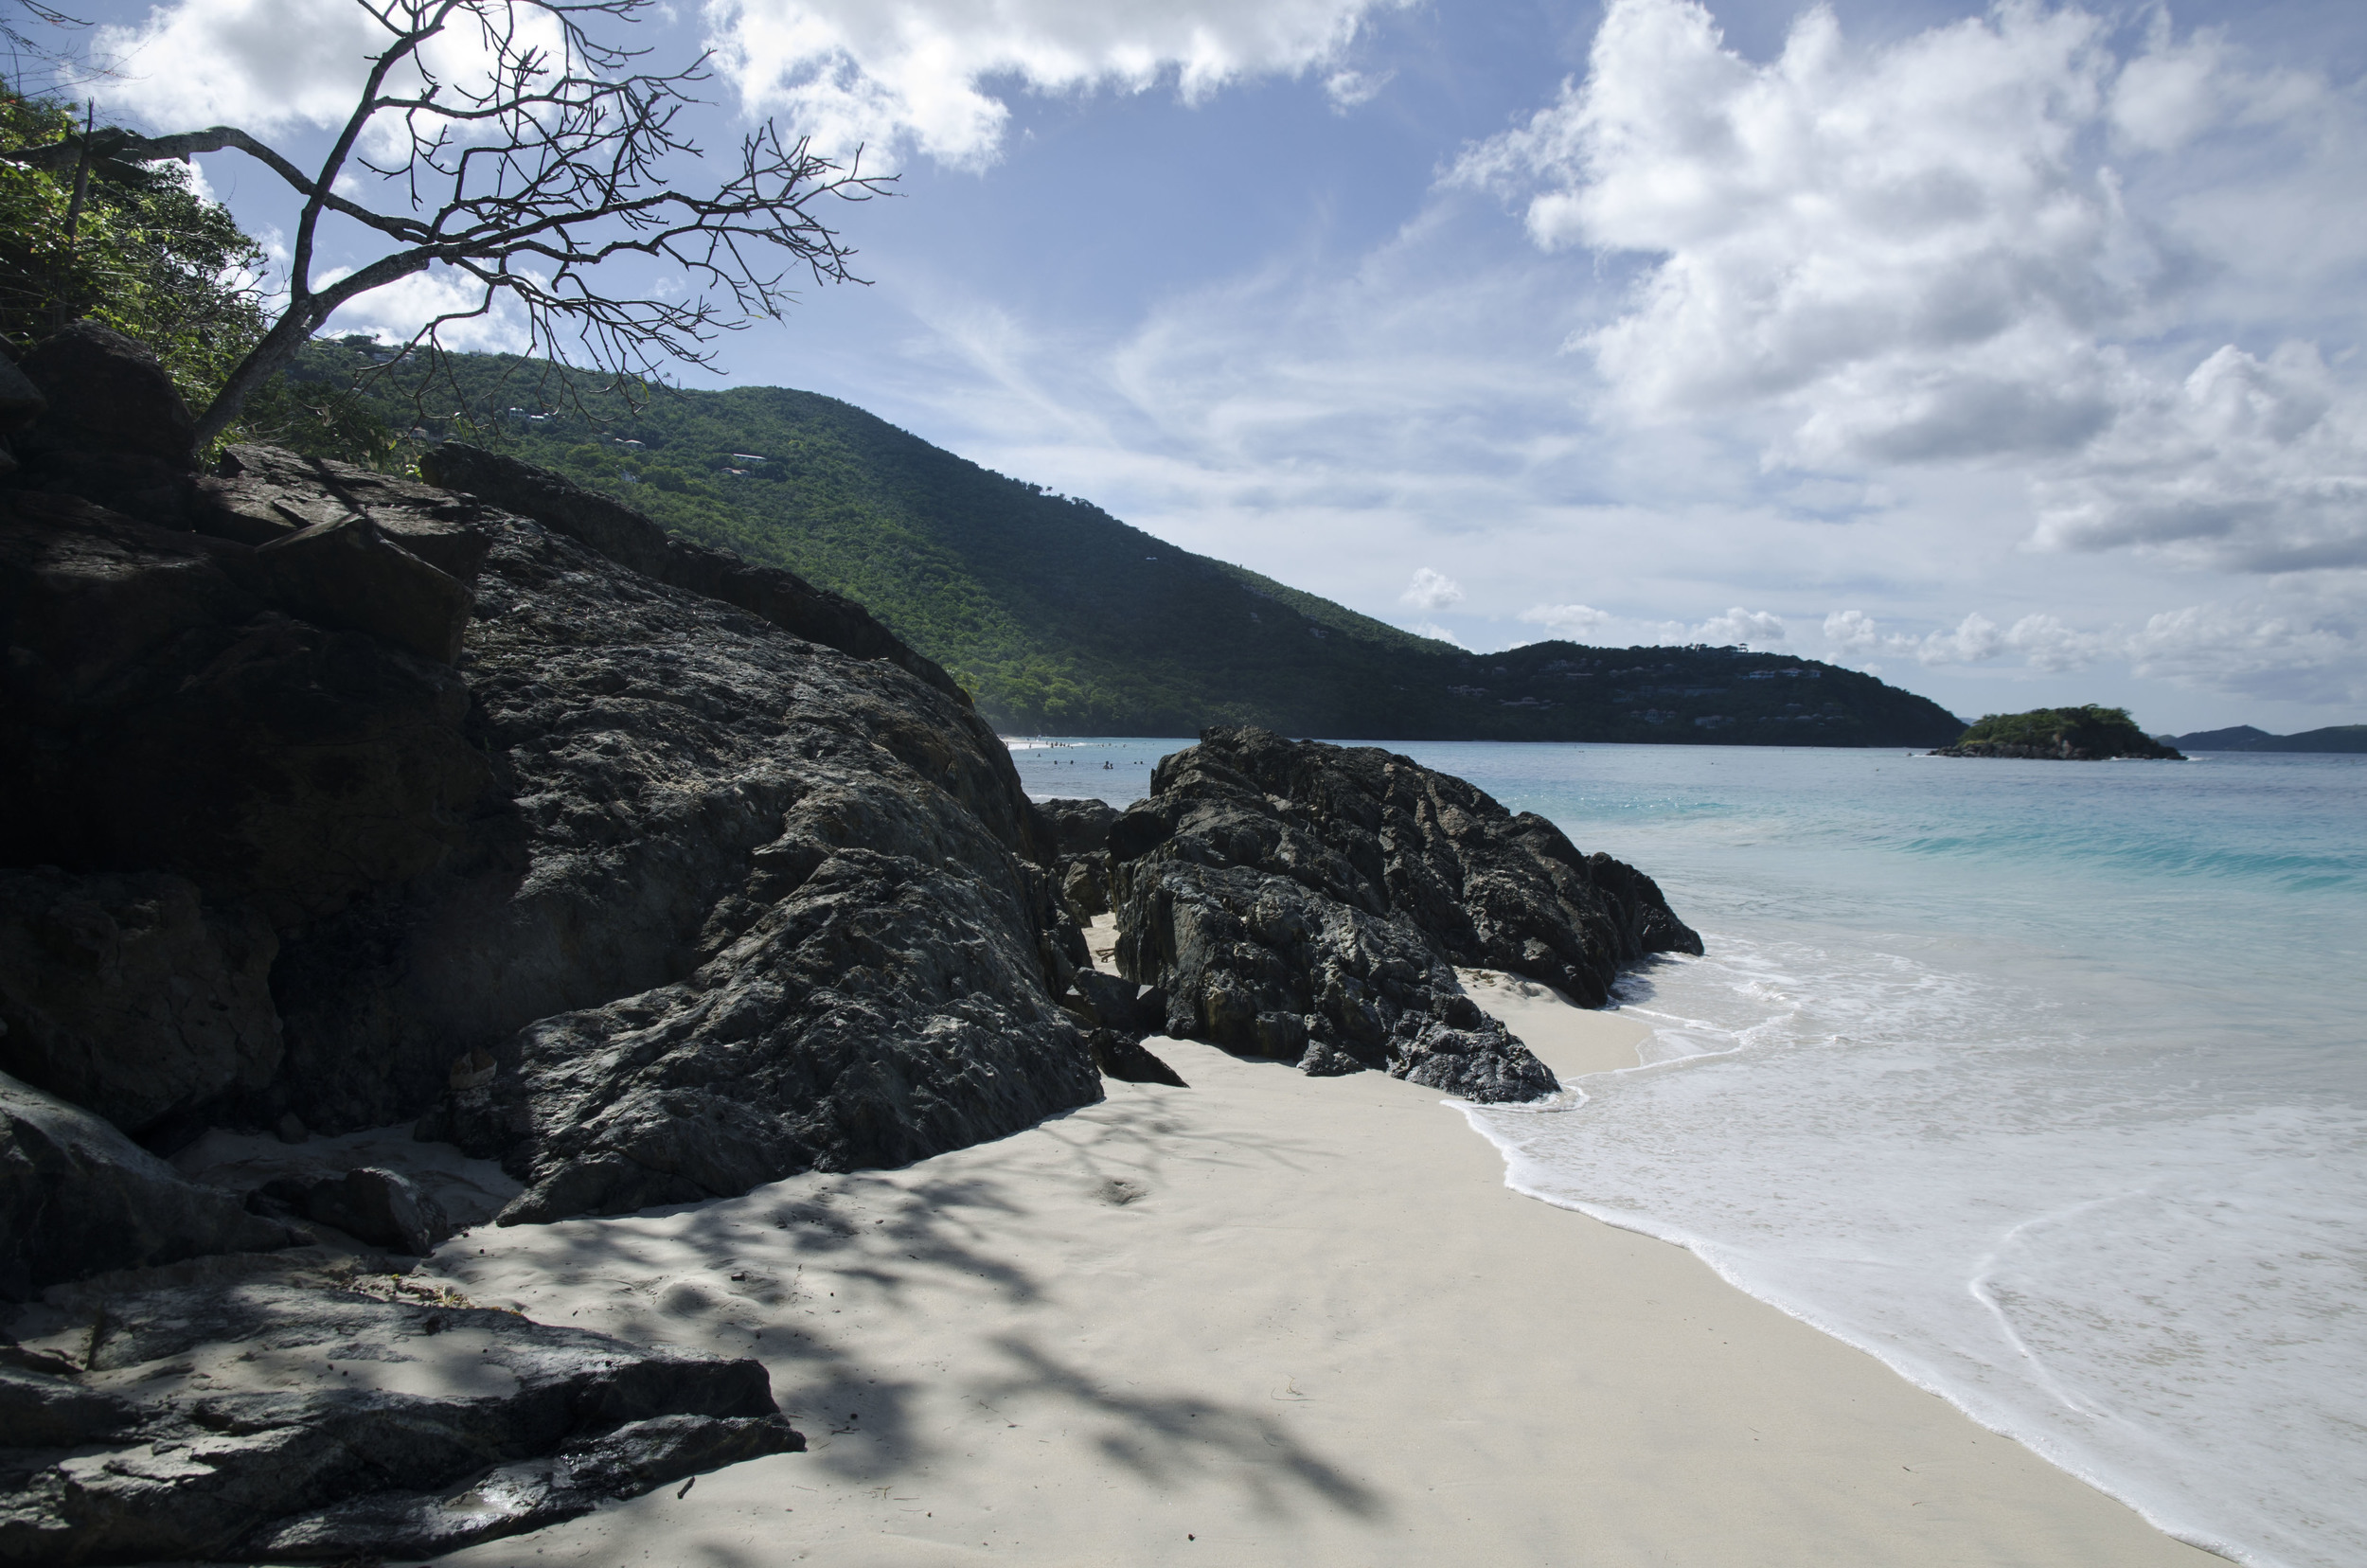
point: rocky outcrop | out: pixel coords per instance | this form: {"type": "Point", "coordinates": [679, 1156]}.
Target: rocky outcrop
{"type": "Point", "coordinates": [1309, 902]}
{"type": "Point", "coordinates": [700, 903]}
{"type": "Point", "coordinates": [109, 426]}
{"type": "Point", "coordinates": [123, 994]}
{"type": "Point", "coordinates": [632, 538]}
{"type": "Point", "coordinates": [76, 1197]}
{"type": "Point", "coordinates": [163, 715]}
{"type": "Point", "coordinates": [629, 788]}
{"type": "Point", "coordinates": [378, 1208]}
{"type": "Point", "coordinates": [2063, 750]}
{"type": "Point", "coordinates": [1080, 828]}
{"type": "Point", "coordinates": [253, 1410]}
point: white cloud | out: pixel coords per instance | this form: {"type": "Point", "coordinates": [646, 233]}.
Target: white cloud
{"type": "Point", "coordinates": [397, 309]}
{"type": "Point", "coordinates": [1432, 629]}
{"type": "Point", "coordinates": [1578, 622]}
{"type": "Point", "coordinates": [2249, 464]}
{"type": "Point", "coordinates": [917, 72]}
{"type": "Point", "coordinates": [2303, 646]}
{"type": "Point", "coordinates": [2257, 650]}
{"type": "Point", "coordinates": [265, 65]}
{"type": "Point", "coordinates": [1916, 253]}
{"type": "Point", "coordinates": [1739, 625]}
{"type": "Point", "coordinates": [1430, 590]}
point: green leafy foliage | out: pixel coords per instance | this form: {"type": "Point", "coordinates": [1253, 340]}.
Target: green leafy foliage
{"type": "Point", "coordinates": [2090, 728]}
{"type": "Point", "coordinates": [1060, 619]}
{"type": "Point", "coordinates": [141, 252]}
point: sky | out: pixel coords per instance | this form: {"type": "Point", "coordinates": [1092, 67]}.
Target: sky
{"type": "Point", "coordinates": [2011, 353]}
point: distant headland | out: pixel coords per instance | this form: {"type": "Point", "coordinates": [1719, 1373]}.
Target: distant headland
{"type": "Point", "coordinates": [2333, 738]}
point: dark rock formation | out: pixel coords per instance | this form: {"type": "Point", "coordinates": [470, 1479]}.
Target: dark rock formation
{"type": "Point", "coordinates": [1309, 902]}
{"type": "Point", "coordinates": [124, 995]}
{"type": "Point", "coordinates": [1078, 826]}
{"type": "Point", "coordinates": [378, 1208]}
{"type": "Point", "coordinates": [631, 539]}
{"type": "Point", "coordinates": [264, 494]}
{"type": "Point", "coordinates": [1081, 830]}
{"type": "Point", "coordinates": [349, 575]}
{"type": "Point", "coordinates": [111, 429]}
{"type": "Point", "coordinates": [789, 898]}
{"type": "Point", "coordinates": [162, 714]}
{"type": "Point", "coordinates": [149, 1434]}
{"type": "Point", "coordinates": [78, 1197]}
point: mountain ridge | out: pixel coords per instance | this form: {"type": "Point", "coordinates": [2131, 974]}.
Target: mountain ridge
{"type": "Point", "coordinates": [1062, 619]}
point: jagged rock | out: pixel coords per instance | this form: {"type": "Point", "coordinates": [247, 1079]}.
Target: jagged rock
{"type": "Point", "coordinates": [766, 905]}
{"type": "Point", "coordinates": [751, 907]}
{"type": "Point", "coordinates": [378, 1208]}
{"type": "Point", "coordinates": [631, 539]}
{"type": "Point", "coordinates": [123, 995]}
{"type": "Point", "coordinates": [1307, 902]}
{"type": "Point", "coordinates": [264, 493]}
{"type": "Point", "coordinates": [40, 1409]}
{"type": "Point", "coordinates": [348, 574]}
{"type": "Point", "coordinates": [78, 1197]}
{"type": "Point", "coordinates": [1081, 830]}
{"type": "Point", "coordinates": [1123, 1056]}
{"type": "Point", "coordinates": [159, 715]}
{"type": "Point", "coordinates": [228, 1412]}
{"type": "Point", "coordinates": [1078, 826]}
{"type": "Point", "coordinates": [1108, 1002]}
{"type": "Point", "coordinates": [512, 1499]}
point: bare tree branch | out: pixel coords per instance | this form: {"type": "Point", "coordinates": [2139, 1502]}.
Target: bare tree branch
{"type": "Point", "coordinates": [555, 154]}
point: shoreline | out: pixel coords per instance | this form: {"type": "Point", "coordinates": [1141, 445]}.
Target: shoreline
{"type": "Point", "coordinates": [1271, 1319]}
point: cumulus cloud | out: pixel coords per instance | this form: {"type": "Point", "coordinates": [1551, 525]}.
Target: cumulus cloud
{"type": "Point", "coordinates": [265, 65]}
{"type": "Point", "coordinates": [1739, 625]}
{"type": "Point", "coordinates": [1432, 590]}
{"type": "Point", "coordinates": [1578, 622]}
{"type": "Point", "coordinates": [917, 72]}
{"type": "Point", "coordinates": [1925, 251]}
{"type": "Point", "coordinates": [2249, 464]}
{"type": "Point", "coordinates": [399, 310]}
{"type": "Point", "coordinates": [2309, 647]}
{"type": "Point", "coordinates": [2256, 651]}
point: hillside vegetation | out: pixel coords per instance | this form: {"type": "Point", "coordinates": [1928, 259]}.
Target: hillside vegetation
{"type": "Point", "coordinates": [2084, 732]}
{"type": "Point", "coordinates": [2333, 738]}
{"type": "Point", "coordinates": [1060, 617]}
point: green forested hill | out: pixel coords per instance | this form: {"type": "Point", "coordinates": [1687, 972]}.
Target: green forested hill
{"type": "Point", "coordinates": [1060, 617]}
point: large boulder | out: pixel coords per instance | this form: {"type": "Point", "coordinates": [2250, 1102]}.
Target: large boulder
{"type": "Point", "coordinates": [1080, 828]}
{"type": "Point", "coordinates": [263, 493]}
{"type": "Point", "coordinates": [76, 1197]}
{"type": "Point", "coordinates": [382, 1424]}
{"type": "Point", "coordinates": [744, 905]}
{"type": "Point", "coordinates": [112, 428]}
{"type": "Point", "coordinates": [161, 715]}
{"type": "Point", "coordinates": [1298, 899]}
{"type": "Point", "coordinates": [125, 995]}
{"type": "Point", "coordinates": [348, 573]}
{"type": "Point", "coordinates": [714, 902]}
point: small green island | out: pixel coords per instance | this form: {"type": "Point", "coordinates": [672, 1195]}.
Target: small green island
{"type": "Point", "coordinates": [2089, 734]}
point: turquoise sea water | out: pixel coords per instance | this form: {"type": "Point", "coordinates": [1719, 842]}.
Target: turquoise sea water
{"type": "Point", "coordinates": [2044, 1083]}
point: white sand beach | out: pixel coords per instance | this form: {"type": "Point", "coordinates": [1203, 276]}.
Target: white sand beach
{"type": "Point", "coordinates": [1270, 1319]}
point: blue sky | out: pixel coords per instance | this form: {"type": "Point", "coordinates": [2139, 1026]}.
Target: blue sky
{"type": "Point", "coordinates": [2012, 352]}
